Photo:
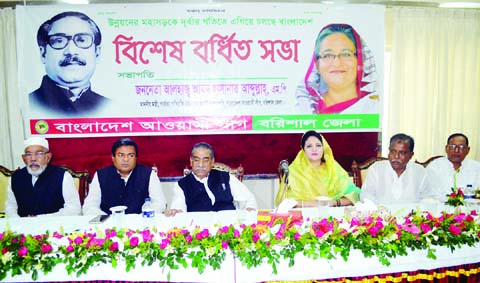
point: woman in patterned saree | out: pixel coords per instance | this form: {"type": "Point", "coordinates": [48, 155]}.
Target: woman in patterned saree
{"type": "Point", "coordinates": [315, 173]}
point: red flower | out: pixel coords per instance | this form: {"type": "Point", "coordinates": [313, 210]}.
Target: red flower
{"type": "Point", "coordinates": [114, 247]}
{"type": "Point", "coordinates": [57, 235]}
{"type": "Point", "coordinates": [412, 228]}
{"type": "Point", "coordinates": [134, 241]}
{"type": "Point", "coordinates": [296, 236]}
{"type": "Point", "coordinates": [202, 234]}
{"type": "Point", "coordinates": [23, 251]}
{"type": "Point", "coordinates": [454, 229]}
{"type": "Point", "coordinates": [255, 237]}
{"type": "Point", "coordinates": [78, 240]}
{"type": "Point", "coordinates": [425, 228]}
{"type": "Point", "coordinates": [164, 243]}
{"type": "Point", "coordinates": [147, 237]}
{"type": "Point", "coordinates": [224, 245]}
{"type": "Point", "coordinates": [46, 248]}
{"type": "Point", "coordinates": [110, 233]}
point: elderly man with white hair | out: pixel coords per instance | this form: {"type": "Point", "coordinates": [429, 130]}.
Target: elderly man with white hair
{"type": "Point", "coordinates": [40, 188]}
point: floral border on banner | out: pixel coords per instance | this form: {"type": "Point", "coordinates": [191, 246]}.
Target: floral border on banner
{"type": "Point", "coordinates": [382, 236]}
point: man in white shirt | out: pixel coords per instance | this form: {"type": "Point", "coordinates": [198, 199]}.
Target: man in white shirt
{"type": "Point", "coordinates": [125, 183]}
{"type": "Point", "coordinates": [208, 190]}
{"type": "Point", "coordinates": [397, 179]}
{"type": "Point", "coordinates": [452, 171]}
{"type": "Point", "coordinates": [40, 188]}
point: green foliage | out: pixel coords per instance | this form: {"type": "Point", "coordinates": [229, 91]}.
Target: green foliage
{"type": "Point", "coordinates": [382, 236]}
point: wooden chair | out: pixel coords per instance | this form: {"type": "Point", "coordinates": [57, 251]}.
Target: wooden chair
{"type": "Point", "coordinates": [426, 162]}
{"type": "Point", "coordinates": [81, 180]}
{"type": "Point", "coordinates": [5, 175]}
{"type": "Point", "coordinates": [237, 172]}
{"type": "Point", "coordinates": [359, 171]}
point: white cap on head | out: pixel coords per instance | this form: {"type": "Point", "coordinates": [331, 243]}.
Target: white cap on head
{"type": "Point", "coordinates": [36, 141]}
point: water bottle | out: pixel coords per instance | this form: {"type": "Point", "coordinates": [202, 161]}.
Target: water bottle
{"type": "Point", "coordinates": [147, 209]}
{"type": "Point", "coordinates": [469, 193]}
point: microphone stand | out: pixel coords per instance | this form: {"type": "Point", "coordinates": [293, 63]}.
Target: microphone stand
{"type": "Point", "coordinates": [282, 196]}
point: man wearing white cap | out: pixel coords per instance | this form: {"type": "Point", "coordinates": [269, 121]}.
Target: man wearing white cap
{"type": "Point", "coordinates": [40, 188]}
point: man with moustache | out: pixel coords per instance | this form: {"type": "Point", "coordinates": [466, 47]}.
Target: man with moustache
{"type": "Point", "coordinates": [69, 46]}
{"type": "Point", "coordinates": [125, 183]}
{"type": "Point", "coordinates": [207, 189]}
{"type": "Point", "coordinates": [40, 188]}
{"type": "Point", "coordinates": [397, 179]}
{"type": "Point", "coordinates": [453, 170]}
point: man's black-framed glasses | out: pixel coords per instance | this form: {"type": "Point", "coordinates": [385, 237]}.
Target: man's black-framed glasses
{"type": "Point", "coordinates": [38, 154]}
{"type": "Point", "coordinates": [460, 147]}
{"type": "Point", "coordinates": [60, 41]}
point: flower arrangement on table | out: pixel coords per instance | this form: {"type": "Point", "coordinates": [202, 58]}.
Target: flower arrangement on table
{"type": "Point", "coordinates": [455, 198]}
{"type": "Point", "coordinates": [383, 236]}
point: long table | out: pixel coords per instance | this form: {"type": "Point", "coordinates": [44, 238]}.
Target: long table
{"type": "Point", "coordinates": [232, 270]}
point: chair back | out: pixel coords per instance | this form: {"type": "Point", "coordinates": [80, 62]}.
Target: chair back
{"type": "Point", "coordinates": [426, 162]}
{"type": "Point", "coordinates": [237, 172]}
{"type": "Point", "coordinates": [5, 175]}
{"type": "Point", "coordinates": [81, 180]}
{"type": "Point", "coordinates": [359, 170]}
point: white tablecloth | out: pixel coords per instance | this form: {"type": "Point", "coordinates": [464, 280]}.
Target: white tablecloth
{"type": "Point", "coordinates": [232, 270]}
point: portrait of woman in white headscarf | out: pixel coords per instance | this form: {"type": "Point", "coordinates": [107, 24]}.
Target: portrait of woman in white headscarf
{"type": "Point", "coordinates": [341, 77]}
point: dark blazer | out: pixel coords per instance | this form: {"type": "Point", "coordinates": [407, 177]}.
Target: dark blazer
{"type": "Point", "coordinates": [196, 196]}
{"type": "Point", "coordinates": [53, 99]}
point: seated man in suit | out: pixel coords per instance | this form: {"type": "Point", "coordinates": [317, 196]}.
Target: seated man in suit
{"type": "Point", "coordinates": [397, 179]}
{"type": "Point", "coordinates": [125, 183]}
{"type": "Point", "coordinates": [454, 170]}
{"type": "Point", "coordinates": [40, 188]}
{"type": "Point", "coordinates": [207, 189]}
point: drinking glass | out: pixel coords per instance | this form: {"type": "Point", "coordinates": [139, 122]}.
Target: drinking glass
{"type": "Point", "coordinates": [118, 215]}
{"type": "Point", "coordinates": [240, 206]}
{"type": "Point", "coordinates": [323, 204]}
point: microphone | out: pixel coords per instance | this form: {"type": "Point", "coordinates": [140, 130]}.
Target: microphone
{"type": "Point", "coordinates": [284, 168]}
{"type": "Point", "coordinates": [284, 165]}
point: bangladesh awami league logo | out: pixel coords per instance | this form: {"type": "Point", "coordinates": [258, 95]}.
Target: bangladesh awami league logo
{"type": "Point", "coordinates": [41, 127]}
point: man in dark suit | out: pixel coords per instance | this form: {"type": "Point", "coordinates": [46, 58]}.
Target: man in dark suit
{"type": "Point", "coordinates": [70, 48]}
{"type": "Point", "coordinates": [40, 188]}
{"type": "Point", "coordinates": [124, 183]}
{"type": "Point", "coordinates": [207, 189]}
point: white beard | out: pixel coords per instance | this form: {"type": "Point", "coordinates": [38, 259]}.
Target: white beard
{"type": "Point", "coordinates": [37, 172]}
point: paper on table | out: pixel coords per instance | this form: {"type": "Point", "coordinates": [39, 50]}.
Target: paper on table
{"type": "Point", "coordinates": [286, 205]}
{"type": "Point", "coordinates": [366, 205]}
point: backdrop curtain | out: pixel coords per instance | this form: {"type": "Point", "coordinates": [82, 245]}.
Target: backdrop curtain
{"type": "Point", "coordinates": [434, 78]}
{"type": "Point", "coordinates": [11, 125]}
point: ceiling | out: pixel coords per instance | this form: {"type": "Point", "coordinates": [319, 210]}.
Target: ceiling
{"type": "Point", "coordinates": [412, 3]}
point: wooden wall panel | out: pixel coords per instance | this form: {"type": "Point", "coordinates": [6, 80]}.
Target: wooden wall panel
{"type": "Point", "coordinates": [258, 153]}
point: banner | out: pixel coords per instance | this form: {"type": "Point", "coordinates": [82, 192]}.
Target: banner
{"type": "Point", "coordinates": [142, 69]}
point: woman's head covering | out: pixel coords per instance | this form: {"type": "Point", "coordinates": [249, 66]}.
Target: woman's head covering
{"type": "Point", "coordinates": [308, 134]}
{"type": "Point", "coordinates": [366, 71]}
{"type": "Point", "coordinates": [307, 182]}
{"type": "Point", "coordinates": [327, 150]}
